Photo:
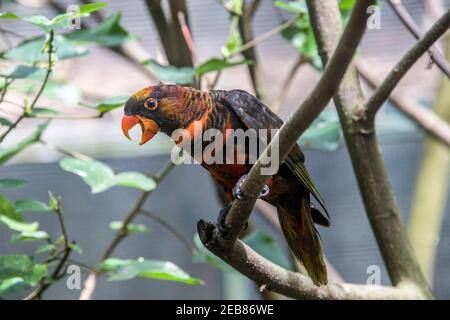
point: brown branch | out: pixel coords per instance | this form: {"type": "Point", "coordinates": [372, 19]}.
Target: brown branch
{"type": "Point", "coordinates": [368, 164]}
{"type": "Point", "coordinates": [170, 34]}
{"type": "Point", "coordinates": [56, 274]}
{"type": "Point", "coordinates": [246, 31]}
{"type": "Point", "coordinates": [265, 36]}
{"type": "Point", "coordinates": [224, 243]}
{"type": "Point", "coordinates": [273, 277]}
{"type": "Point", "coordinates": [415, 30]}
{"type": "Point", "coordinates": [89, 285]}
{"type": "Point", "coordinates": [40, 91]}
{"type": "Point", "coordinates": [284, 89]}
{"type": "Point", "coordinates": [425, 118]}
{"type": "Point", "coordinates": [402, 67]}
{"type": "Point", "coordinates": [168, 227]}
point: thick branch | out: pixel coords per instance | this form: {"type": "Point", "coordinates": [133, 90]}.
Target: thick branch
{"type": "Point", "coordinates": [402, 67]}
{"type": "Point", "coordinates": [415, 30]}
{"type": "Point", "coordinates": [273, 277]}
{"type": "Point", "coordinates": [425, 118]}
{"type": "Point", "coordinates": [368, 164]}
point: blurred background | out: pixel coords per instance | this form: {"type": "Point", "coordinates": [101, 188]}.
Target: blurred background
{"type": "Point", "coordinates": [188, 194]}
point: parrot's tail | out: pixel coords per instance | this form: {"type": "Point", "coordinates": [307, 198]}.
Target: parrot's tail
{"type": "Point", "coordinates": [298, 228]}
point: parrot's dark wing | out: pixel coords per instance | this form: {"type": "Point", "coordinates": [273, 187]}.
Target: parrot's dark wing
{"type": "Point", "coordinates": [254, 114]}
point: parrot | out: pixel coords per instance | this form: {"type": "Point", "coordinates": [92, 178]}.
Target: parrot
{"type": "Point", "coordinates": [167, 107]}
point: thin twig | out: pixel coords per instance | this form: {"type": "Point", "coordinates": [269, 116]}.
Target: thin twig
{"type": "Point", "coordinates": [415, 30]}
{"type": "Point", "coordinates": [425, 118]}
{"type": "Point", "coordinates": [169, 227]}
{"type": "Point", "coordinates": [188, 36]}
{"type": "Point", "coordinates": [69, 153]}
{"type": "Point", "coordinates": [91, 281]}
{"type": "Point", "coordinates": [265, 36]}
{"type": "Point", "coordinates": [46, 283]}
{"type": "Point", "coordinates": [40, 91]}
{"type": "Point", "coordinates": [402, 67]}
{"type": "Point", "coordinates": [284, 89]}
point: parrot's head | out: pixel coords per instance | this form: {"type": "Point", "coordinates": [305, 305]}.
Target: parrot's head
{"type": "Point", "coordinates": [156, 108]}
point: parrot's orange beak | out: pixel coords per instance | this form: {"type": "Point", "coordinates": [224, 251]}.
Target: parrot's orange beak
{"type": "Point", "coordinates": [149, 127]}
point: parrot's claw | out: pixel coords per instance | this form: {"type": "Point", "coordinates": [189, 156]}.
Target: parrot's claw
{"type": "Point", "coordinates": [239, 194]}
{"type": "Point", "coordinates": [222, 217]}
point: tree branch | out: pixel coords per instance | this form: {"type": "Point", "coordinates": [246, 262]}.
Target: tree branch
{"type": "Point", "coordinates": [246, 31]}
{"type": "Point", "coordinates": [415, 30]}
{"type": "Point", "coordinates": [425, 118]}
{"type": "Point", "coordinates": [273, 277]}
{"type": "Point", "coordinates": [170, 34]}
{"type": "Point", "coordinates": [368, 164]}
{"type": "Point", "coordinates": [27, 110]}
{"type": "Point", "coordinates": [224, 243]}
{"type": "Point", "coordinates": [402, 67]}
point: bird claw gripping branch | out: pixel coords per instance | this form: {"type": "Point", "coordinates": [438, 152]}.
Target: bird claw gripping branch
{"type": "Point", "coordinates": [167, 108]}
{"type": "Point", "coordinates": [239, 194]}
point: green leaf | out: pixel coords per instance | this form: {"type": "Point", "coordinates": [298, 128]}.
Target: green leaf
{"type": "Point", "coordinates": [234, 6]}
{"type": "Point", "coordinates": [23, 72]}
{"type": "Point", "coordinates": [21, 266]}
{"type": "Point", "coordinates": [134, 180]}
{"type": "Point", "coordinates": [111, 103]}
{"type": "Point", "coordinates": [46, 247]}
{"type": "Point", "coordinates": [8, 153]}
{"type": "Point", "coordinates": [58, 22]}
{"type": "Point", "coordinates": [298, 6]}
{"type": "Point", "coordinates": [5, 122]}
{"type": "Point", "coordinates": [215, 64]}
{"type": "Point", "coordinates": [234, 41]}
{"type": "Point", "coordinates": [346, 4]}
{"type": "Point", "coordinates": [101, 177]}
{"type": "Point", "coordinates": [108, 33]}
{"type": "Point", "coordinates": [12, 183]}
{"type": "Point", "coordinates": [19, 226]}
{"type": "Point", "coordinates": [111, 264]}
{"type": "Point", "coordinates": [12, 285]}
{"type": "Point", "coordinates": [324, 133]}
{"type": "Point", "coordinates": [75, 248]}
{"type": "Point", "coordinates": [266, 246]}
{"type": "Point", "coordinates": [171, 74]}
{"type": "Point", "coordinates": [8, 209]}
{"type": "Point", "coordinates": [154, 269]}
{"type": "Point", "coordinates": [31, 50]}
{"type": "Point", "coordinates": [131, 227]}
{"type": "Point", "coordinates": [43, 112]}
{"type": "Point", "coordinates": [31, 205]}
{"type": "Point", "coordinates": [8, 15]}
{"type": "Point", "coordinates": [30, 236]}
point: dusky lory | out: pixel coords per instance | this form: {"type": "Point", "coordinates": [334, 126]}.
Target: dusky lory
{"type": "Point", "coordinates": [166, 108]}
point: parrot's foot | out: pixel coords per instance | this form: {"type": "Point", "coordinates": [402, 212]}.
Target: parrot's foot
{"type": "Point", "coordinates": [239, 194]}
{"type": "Point", "coordinates": [222, 218]}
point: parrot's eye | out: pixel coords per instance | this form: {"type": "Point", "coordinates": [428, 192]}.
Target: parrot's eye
{"type": "Point", "coordinates": [151, 104]}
